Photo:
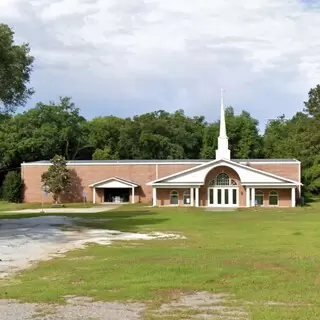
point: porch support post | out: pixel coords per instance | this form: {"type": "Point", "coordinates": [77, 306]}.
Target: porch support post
{"type": "Point", "coordinates": [94, 194]}
{"type": "Point", "coordinates": [248, 197]}
{"type": "Point", "coordinates": [154, 196]}
{"type": "Point", "coordinates": [191, 197]}
{"type": "Point", "coordinates": [253, 197]}
{"type": "Point", "coordinates": [197, 197]}
{"type": "Point", "coordinates": [132, 195]}
{"type": "Point", "coordinates": [293, 197]}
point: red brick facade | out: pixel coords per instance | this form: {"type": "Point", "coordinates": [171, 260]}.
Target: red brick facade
{"type": "Point", "coordinates": [84, 175]}
{"type": "Point", "coordinates": [141, 173]}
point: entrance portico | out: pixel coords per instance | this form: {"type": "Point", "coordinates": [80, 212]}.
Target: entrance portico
{"type": "Point", "coordinates": [224, 183]}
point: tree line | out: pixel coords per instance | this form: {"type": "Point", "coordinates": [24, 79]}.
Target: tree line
{"type": "Point", "coordinates": [58, 128]}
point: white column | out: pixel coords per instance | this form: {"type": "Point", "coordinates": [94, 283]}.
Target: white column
{"type": "Point", "coordinates": [197, 197]}
{"type": "Point", "coordinates": [154, 196]}
{"type": "Point", "coordinates": [253, 196]}
{"type": "Point", "coordinates": [191, 197]}
{"type": "Point", "coordinates": [248, 197]}
{"type": "Point", "coordinates": [293, 197]}
{"type": "Point", "coordinates": [94, 195]}
{"type": "Point", "coordinates": [132, 195]}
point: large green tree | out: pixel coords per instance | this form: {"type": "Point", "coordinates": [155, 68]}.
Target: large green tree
{"type": "Point", "coordinates": [15, 70]}
{"type": "Point", "coordinates": [57, 179]}
{"type": "Point", "coordinates": [103, 136]}
{"type": "Point", "coordinates": [42, 132]}
{"type": "Point", "coordinates": [312, 105]}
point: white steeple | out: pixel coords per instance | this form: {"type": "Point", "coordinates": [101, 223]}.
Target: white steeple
{"type": "Point", "coordinates": [223, 151]}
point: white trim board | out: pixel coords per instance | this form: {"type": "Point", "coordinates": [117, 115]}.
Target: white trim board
{"type": "Point", "coordinates": [31, 164]}
{"type": "Point", "coordinates": [179, 186]}
{"type": "Point", "coordinates": [150, 162]}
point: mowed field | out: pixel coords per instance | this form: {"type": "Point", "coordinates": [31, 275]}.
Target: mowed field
{"type": "Point", "coordinates": [267, 260]}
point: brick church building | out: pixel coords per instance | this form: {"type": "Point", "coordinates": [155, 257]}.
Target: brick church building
{"type": "Point", "coordinates": [222, 182]}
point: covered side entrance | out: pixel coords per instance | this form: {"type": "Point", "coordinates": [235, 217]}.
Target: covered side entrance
{"type": "Point", "coordinates": [114, 190]}
{"type": "Point", "coordinates": [223, 192]}
{"type": "Point", "coordinates": [116, 195]}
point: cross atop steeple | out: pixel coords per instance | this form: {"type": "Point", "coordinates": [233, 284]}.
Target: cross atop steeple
{"type": "Point", "coordinates": [223, 151]}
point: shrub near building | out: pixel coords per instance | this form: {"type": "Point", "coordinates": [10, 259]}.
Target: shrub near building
{"type": "Point", "coordinates": [12, 188]}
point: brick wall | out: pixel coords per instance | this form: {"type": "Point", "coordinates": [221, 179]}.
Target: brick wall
{"type": "Point", "coordinates": [84, 175]}
{"type": "Point", "coordinates": [284, 197]}
{"type": "Point", "coordinates": [287, 170]}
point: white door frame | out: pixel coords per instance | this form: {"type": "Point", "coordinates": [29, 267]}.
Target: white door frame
{"type": "Point", "coordinates": [215, 196]}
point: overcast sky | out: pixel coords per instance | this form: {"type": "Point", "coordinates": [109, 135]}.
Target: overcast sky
{"type": "Point", "coordinates": [126, 57]}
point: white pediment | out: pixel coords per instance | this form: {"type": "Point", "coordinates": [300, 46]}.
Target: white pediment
{"type": "Point", "coordinates": [247, 174]}
{"type": "Point", "coordinates": [114, 182]}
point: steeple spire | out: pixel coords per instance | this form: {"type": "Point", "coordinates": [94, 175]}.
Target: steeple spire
{"type": "Point", "coordinates": [223, 151]}
{"type": "Point", "coordinates": [223, 131]}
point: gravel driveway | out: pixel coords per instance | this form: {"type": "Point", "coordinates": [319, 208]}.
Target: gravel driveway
{"type": "Point", "coordinates": [203, 305]}
{"type": "Point", "coordinates": [25, 241]}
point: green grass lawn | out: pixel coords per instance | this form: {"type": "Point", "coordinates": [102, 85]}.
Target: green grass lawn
{"type": "Point", "coordinates": [7, 206]}
{"type": "Point", "coordinates": [260, 256]}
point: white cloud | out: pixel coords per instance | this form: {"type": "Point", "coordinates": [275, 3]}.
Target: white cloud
{"type": "Point", "coordinates": [174, 54]}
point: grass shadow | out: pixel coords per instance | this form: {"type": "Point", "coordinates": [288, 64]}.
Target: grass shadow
{"type": "Point", "coordinates": [112, 214]}
{"type": "Point", "coordinates": [120, 220]}
{"type": "Point", "coordinates": [125, 224]}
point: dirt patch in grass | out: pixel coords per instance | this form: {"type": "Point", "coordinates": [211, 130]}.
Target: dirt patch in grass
{"type": "Point", "coordinates": [269, 266]}
{"type": "Point", "coordinates": [80, 258]}
{"type": "Point", "coordinates": [230, 262]}
{"type": "Point", "coordinates": [76, 308]}
{"type": "Point", "coordinates": [201, 305]}
{"type": "Point", "coordinates": [168, 292]}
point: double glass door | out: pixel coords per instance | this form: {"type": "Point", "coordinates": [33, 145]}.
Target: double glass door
{"type": "Point", "coordinates": [223, 197]}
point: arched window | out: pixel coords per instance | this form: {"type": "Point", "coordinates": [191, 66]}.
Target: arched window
{"type": "Point", "coordinates": [222, 180]}
{"type": "Point", "coordinates": [259, 196]}
{"type": "Point", "coordinates": [186, 197]}
{"type": "Point", "coordinates": [273, 198]}
{"type": "Point", "coordinates": [174, 197]}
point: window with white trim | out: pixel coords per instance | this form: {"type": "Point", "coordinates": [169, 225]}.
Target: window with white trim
{"type": "Point", "coordinates": [222, 179]}
{"type": "Point", "coordinates": [186, 197]}
{"type": "Point", "coordinates": [259, 196]}
{"type": "Point", "coordinates": [273, 198]}
{"type": "Point", "coordinates": [174, 197]}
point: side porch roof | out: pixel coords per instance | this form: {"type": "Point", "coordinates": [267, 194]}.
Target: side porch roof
{"type": "Point", "coordinates": [114, 182]}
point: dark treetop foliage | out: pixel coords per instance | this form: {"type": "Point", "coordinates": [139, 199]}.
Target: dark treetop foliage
{"type": "Point", "coordinates": [15, 69]}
